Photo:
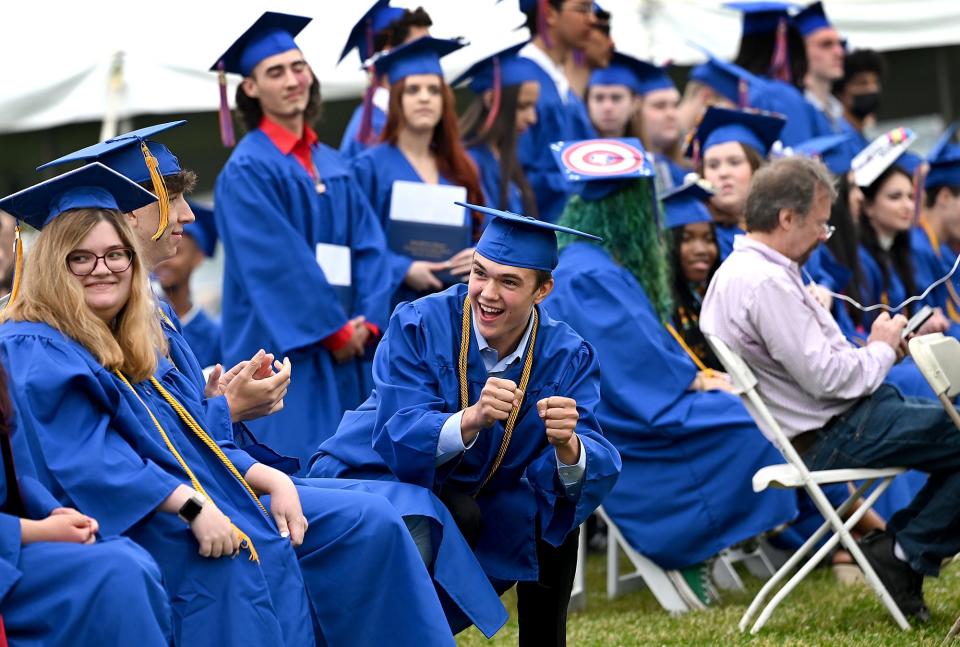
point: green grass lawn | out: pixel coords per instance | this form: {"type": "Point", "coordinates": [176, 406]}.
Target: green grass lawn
{"type": "Point", "coordinates": [818, 612]}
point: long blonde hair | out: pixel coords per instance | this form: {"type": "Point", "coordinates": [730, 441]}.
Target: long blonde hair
{"type": "Point", "coordinates": [51, 294]}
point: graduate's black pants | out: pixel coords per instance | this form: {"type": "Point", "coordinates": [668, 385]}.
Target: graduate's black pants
{"type": "Point", "coordinates": [541, 605]}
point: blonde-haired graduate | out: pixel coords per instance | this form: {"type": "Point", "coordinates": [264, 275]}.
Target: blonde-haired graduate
{"type": "Point", "coordinates": [115, 430]}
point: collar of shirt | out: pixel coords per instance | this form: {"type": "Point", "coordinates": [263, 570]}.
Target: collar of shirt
{"type": "Point", "coordinates": [491, 360]}
{"type": "Point", "coordinates": [189, 315]}
{"type": "Point", "coordinates": [743, 243]}
{"type": "Point", "coordinates": [381, 98]}
{"type": "Point", "coordinates": [289, 143]}
{"type": "Point", "coordinates": [555, 72]}
{"type": "Point", "coordinates": [832, 108]}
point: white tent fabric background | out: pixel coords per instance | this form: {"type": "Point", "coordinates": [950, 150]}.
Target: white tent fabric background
{"type": "Point", "coordinates": [114, 59]}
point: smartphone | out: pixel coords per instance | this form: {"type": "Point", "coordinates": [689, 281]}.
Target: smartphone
{"type": "Point", "coordinates": [917, 320]}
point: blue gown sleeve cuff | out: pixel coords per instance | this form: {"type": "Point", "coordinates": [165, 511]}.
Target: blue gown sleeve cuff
{"type": "Point", "coordinates": [450, 442]}
{"type": "Point", "coordinates": [572, 475]}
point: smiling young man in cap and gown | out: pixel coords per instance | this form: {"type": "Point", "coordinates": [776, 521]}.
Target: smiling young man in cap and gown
{"type": "Point", "coordinates": [483, 397]}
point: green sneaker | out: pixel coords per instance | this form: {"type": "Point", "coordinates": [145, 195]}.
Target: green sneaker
{"type": "Point", "coordinates": [694, 585]}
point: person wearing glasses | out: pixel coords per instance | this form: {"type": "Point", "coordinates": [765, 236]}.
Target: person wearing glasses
{"type": "Point", "coordinates": [117, 431]}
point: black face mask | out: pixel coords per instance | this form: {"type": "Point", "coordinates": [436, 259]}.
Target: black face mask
{"type": "Point", "coordinates": [865, 104]}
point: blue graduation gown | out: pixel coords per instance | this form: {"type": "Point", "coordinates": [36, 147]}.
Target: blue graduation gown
{"type": "Point", "coordinates": [57, 593]}
{"type": "Point", "coordinates": [688, 456]}
{"type": "Point", "coordinates": [557, 120]}
{"type": "Point", "coordinates": [376, 169]}
{"type": "Point", "coordinates": [777, 96]}
{"type": "Point", "coordinates": [275, 295]}
{"type": "Point", "coordinates": [932, 260]}
{"type": "Point", "coordinates": [97, 450]}
{"type": "Point", "coordinates": [350, 146]}
{"type": "Point", "coordinates": [488, 167]}
{"type": "Point", "coordinates": [417, 389]}
{"type": "Point", "coordinates": [330, 554]}
{"type": "Point", "coordinates": [669, 173]}
{"type": "Point", "coordinates": [204, 335]}
{"type": "Point", "coordinates": [725, 235]}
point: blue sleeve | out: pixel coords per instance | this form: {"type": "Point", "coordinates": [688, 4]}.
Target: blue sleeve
{"type": "Point", "coordinates": [559, 513]}
{"type": "Point", "coordinates": [289, 293]}
{"type": "Point", "coordinates": [410, 414]}
{"type": "Point", "coordinates": [10, 543]}
{"type": "Point", "coordinates": [70, 419]}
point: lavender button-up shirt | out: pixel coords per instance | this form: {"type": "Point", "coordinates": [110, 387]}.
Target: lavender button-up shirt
{"type": "Point", "coordinates": [807, 372]}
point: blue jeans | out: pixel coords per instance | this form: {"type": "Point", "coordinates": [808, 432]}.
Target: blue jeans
{"type": "Point", "coordinates": [888, 430]}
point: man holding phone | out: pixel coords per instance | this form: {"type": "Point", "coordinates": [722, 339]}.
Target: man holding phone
{"type": "Point", "coordinates": [827, 394]}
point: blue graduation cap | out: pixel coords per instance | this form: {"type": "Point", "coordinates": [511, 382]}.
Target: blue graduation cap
{"type": "Point", "coordinates": [520, 241]}
{"type": "Point", "coordinates": [271, 34]}
{"type": "Point", "coordinates": [138, 158]}
{"type": "Point", "coordinates": [377, 18]}
{"type": "Point", "coordinates": [601, 166]}
{"type": "Point", "coordinates": [756, 129]}
{"type": "Point", "coordinates": [203, 230]}
{"type": "Point", "coordinates": [835, 151]}
{"type": "Point", "coordinates": [729, 80]}
{"type": "Point", "coordinates": [944, 160]}
{"type": "Point", "coordinates": [125, 155]}
{"type": "Point", "coordinates": [93, 186]}
{"type": "Point", "coordinates": [640, 76]}
{"type": "Point", "coordinates": [761, 17]}
{"type": "Point", "coordinates": [811, 19]}
{"type": "Point", "coordinates": [421, 56]}
{"type": "Point", "coordinates": [686, 204]}
{"type": "Point", "coordinates": [513, 70]}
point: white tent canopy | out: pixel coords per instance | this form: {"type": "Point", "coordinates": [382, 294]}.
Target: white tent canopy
{"type": "Point", "coordinates": [141, 58]}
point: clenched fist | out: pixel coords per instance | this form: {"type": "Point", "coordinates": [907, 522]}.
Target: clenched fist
{"type": "Point", "coordinates": [560, 417]}
{"type": "Point", "coordinates": [497, 400]}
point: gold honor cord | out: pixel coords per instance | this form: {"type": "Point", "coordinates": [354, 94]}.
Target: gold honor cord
{"type": "Point", "coordinates": [696, 360]}
{"type": "Point", "coordinates": [524, 381]}
{"type": "Point", "coordinates": [159, 188]}
{"type": "Point", "coordinates": [17, 263]}
{"type": "Point", "coordinates": [245, 541]}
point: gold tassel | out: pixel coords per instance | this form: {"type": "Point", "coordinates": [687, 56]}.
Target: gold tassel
{"type": "Point", "coordinates": [247, 544]}
{"type": "Point", "coordinates": [17, 264]}
{"type": "Point", "coordinates": [159, 188]}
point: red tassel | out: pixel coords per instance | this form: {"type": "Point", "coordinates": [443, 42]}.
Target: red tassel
{"type": "Point", "coordinates": [743, 94]}
{"type": "Point", "coordinates": [542, 23]}
{"type": "Point", "coordinates": [919, 176]}
{"type": "Point", "coordinates": [780, 61]}
{"type": "Point", "coordinates": [226, 119]}
{"type": "Point", "coordinates": [497, 94]}
{"type": "Point", "coordinates": [365, 132]}
{"type": "Point", "coordinates": [3, 633]}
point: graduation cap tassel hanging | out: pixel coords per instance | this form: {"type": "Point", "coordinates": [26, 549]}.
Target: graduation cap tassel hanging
{"type": "Point", "coordinates": [365, 132]}
{"type": "Point", "coordinates": [919, 177]}
{"type": "Point", "coordinates": [542, 22]}
{"type": "Point", "coordinates": [780, 61]}
{"type": "Point", "coordinates": [226, 119]}
{"type": "Point", "coordinates": [17, 264]}
{"type": "Point", "coordinates": [497, 96]}
{"type": "Point", "coordinates": [159, 188]}
{"type": "Point", "coordinates": [743, 94]}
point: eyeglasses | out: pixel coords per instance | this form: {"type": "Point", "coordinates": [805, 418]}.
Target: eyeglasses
{"type": "Point", "coordinates": [82, 262]}
{"type": "Point", "coordinates": [580, 7]}
{"type": "Point", "coordinates": [827, 231]}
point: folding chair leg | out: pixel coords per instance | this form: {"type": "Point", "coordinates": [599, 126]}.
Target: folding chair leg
{"type": "Point", "coordinates": [578, 597]}
{"type": "Point", "coordinates": [842, 534]}
{"type": "Point", "coordinates": [954, 630]}
{"type": "Point", "coordinates": [725, 575]}
{"type": "Point", "coordinates": [646, 572]}
{"type": "Point", "coordinates": [759, 564]}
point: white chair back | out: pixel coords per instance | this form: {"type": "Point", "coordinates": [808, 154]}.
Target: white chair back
{"type": "Point", "coordinates": [938, 358]}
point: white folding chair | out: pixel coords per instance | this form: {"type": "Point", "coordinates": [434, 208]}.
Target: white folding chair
{"type": "Point", "coordinates": [938, 358]}
{"type": "Point", "coordinates": [646, 572]}
{"type": "Point", "coordinates": [794, 475]}
{"type": "Point", "coordinates": [578, 595]}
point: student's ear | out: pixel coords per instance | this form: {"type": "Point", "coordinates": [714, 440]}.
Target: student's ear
{"type": "Point", "coordinates": [131, 219]}
{"type": "Point", "coordinates": [487, 99]}
{"type": "Point", "coordinates": [250, 87]}
{"type": "Point", "coordinates": [543, 292]}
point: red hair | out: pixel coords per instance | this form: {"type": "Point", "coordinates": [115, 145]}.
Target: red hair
{"type": "Point", "coordinates": [453, 162]}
